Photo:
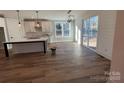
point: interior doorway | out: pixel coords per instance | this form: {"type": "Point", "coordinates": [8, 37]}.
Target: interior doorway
{"type": "Point", "coordinates": [2, 37]}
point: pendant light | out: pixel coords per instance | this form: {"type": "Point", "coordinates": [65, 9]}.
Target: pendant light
{"type": "Point", "coordinates": [18, 15]}
{"type": "Point", "coordinates": [70, 17]}
{"type": "Point", "coordinates": [69, 11]}
{"type": "Point", "coordinates": [37, 22]}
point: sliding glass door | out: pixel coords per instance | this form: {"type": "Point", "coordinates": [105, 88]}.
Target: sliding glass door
{"type": "Point", "coordinates": [90, 30]}
{"type": "Point", "coordinates": [85, 32]}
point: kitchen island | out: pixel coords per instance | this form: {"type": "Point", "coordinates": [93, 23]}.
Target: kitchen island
{"type": "Point", "coordinates": [24, 44]}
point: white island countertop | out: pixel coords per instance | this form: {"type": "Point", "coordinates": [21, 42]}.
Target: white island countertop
{"type": "Point", "coordinates": [27, 40]}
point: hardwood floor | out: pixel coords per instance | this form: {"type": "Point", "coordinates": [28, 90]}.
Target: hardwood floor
{"type": "Point", "coordinates": [72, 63]}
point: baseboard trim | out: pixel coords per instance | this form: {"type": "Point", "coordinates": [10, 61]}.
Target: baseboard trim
{"type": "Point", "coordinates": [104, 55]}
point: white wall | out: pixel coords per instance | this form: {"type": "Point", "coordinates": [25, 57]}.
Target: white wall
{"type": "Point", "coordinates": [117, 64]}
{"type": "Point", "coordinates": [15, 32]}
{"type": "Point", "coordinates": [78, 28]}
{"type": "Point", "coordinates": [107, 20]}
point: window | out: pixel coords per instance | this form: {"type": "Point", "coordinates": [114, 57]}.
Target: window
{"type": "Point", "coordinates": [58, 29]}
{"type": "Point", "coordinates": [62, 29]}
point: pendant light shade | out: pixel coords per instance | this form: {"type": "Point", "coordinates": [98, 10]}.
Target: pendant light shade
{"type": "Point", "coordinates": [37, 22]}
{"type": "Point", "coordinates": [18, 15]}
{"type": "Point", "coordinates": [19, 24]}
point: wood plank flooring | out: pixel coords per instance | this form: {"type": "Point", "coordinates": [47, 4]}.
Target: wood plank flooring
{"type": "Point", "coordinates": [71, 64]}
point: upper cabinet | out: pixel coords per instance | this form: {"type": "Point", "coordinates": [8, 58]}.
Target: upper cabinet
{"type": "Point", "coordinates": [46, 26]}
{"type": "Point", "coordinates": [37, 26]}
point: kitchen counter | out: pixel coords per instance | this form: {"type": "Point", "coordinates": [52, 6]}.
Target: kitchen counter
{"type": "Point", "coordinates": [27, 45]}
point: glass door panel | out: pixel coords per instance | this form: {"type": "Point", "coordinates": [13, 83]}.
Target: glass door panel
{"type": "Point", "coordinates": [58, 30]}
{"type": "Point", "coordinates": [66, 29]}
{"type": "Point", "coordinates": [62, 29]}
{"type": "Point", "coordinates": [93, 32]}
{"type": "Point", "coordinates": [90, 29]}
{"type": "Point", "coordinates": [85, 32]}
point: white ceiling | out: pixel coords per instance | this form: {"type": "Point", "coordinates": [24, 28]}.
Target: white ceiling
{"type": "Point", "coordinates": [46, 14]}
